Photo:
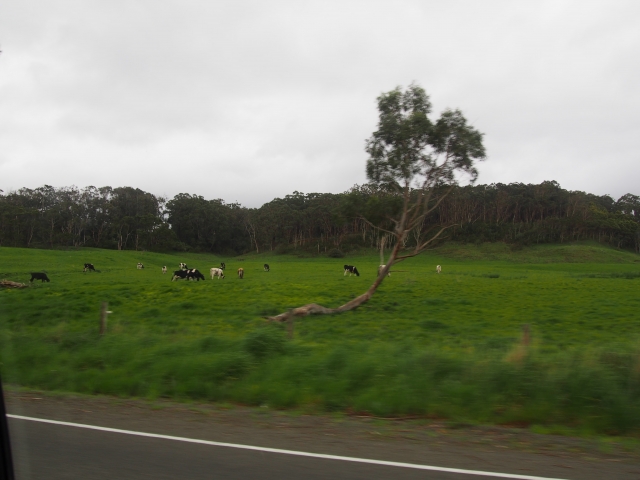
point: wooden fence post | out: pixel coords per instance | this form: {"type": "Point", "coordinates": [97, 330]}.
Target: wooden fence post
{"type": "Point", "coordinates": [103, 318]}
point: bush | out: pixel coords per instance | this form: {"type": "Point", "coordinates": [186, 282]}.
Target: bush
{"type": "Point", "coordinates": [335, 253]}
{"type": "Point", "coordinates": [181, 247]}
{"type": "Point", "coordinates": [264, 342]}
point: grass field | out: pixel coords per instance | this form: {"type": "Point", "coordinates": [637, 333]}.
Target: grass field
{"type": "Point", "coordinates": [443, 345]}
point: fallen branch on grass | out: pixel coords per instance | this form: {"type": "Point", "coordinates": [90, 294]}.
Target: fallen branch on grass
{"type": "Point", "coordinates": [315, 309]}
{"type": "Point", "coordinates": [311, 309]}
{"type": "Point", "coordinates": [10, 284]}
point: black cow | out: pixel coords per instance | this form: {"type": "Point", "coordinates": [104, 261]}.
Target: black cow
{"type": "Point", "coordinates": [39, 276]}
{"type": "Point", "coordinates": [89, 266]}
{"type": "Point", "coordinates": [194, 275]}
{"type": "Point", "coordinates": [352, 270]}
{"type": "Point", "coordinates": [266, 267]}
{"type": "Point", "coordinates": [179, 274]}
{"type": "Point", "coordinates": [223, 265]}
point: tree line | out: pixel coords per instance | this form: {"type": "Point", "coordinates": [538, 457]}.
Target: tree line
{"type": "Point", "coordinates": [127, 218]}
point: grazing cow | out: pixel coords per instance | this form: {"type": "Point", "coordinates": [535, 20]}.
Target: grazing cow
{"type": "Point", "coordinates": [183, 266]}
{"type": "Point", "coordinates": [351, 270]}
{"type": "Point", "coordinates": [39, 276]}
{"type": "Point", "coordinates": [140, 266]}
{"type": "Point", "coordinates": [179, 274]}
{"type": "Point", "coordinates": [241, 273]}
{"type": "Point", "coordinates": [223, 265]}
{"type": "Point", "coordinates": [216, 272]}
{"type": "Point", "coordinates": [89, 266]}
{"type": "Point", "coordinates": [194, 274]}
{"type": "Point", "coordinates": [266, 267]}
{"type": "Point", "coordinates": [164, 269]}
{"type": "Point", "coordinates": [438, 269]}
{"type": "Point", "coordinates": [380, 270]}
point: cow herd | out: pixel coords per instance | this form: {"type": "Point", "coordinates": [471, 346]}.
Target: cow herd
{"type": "Point", "coordinates": [186, 273]}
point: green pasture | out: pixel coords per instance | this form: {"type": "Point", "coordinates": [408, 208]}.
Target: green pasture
{"type": "Point", "coordinates": [446, 345]}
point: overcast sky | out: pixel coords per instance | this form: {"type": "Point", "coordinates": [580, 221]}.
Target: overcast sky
{"type": "Point", "coordinates": [248, 101]}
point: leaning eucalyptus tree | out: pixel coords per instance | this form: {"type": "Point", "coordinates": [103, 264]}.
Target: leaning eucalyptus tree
{"type": "Point", "coordinates": [421, 162]}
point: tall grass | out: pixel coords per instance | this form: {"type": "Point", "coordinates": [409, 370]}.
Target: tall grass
{"type": "Point", "coordinates": [596, 390]}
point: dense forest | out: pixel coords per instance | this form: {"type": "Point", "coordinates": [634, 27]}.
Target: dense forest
{"type": "Point", "coordinates": [129, 218]}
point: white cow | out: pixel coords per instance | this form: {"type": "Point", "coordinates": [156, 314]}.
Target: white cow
{"type": "Point", "coordinates": [216, 272]}
{"type": "Point", "coordinates": [140, 266]}
{"type": "Point", "coordinates": [438, 269]}
{"type": "Point", "coordinates": [380, 269]}
{"type": "Point", "coordinates": [164, 269]}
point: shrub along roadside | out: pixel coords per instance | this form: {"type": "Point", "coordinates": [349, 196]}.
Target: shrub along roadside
{"type": "Point", "coordinates": [596, 390]}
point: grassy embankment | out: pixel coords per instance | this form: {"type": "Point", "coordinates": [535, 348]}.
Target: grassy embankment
{"type": "Point", "coordinates": [435, 345]}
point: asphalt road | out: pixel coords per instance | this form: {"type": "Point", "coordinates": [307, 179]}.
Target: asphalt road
{"type": "Point", "coordinates": [54, 451]}
{"type": "Point", "coordinates": [62, 452]}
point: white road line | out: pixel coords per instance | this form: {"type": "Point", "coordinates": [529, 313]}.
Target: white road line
{"type": "Point", "coordinates": [287, 452]}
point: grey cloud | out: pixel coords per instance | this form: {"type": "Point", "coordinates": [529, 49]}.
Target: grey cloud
{"type": "Point", "coordinates": [263, 98]}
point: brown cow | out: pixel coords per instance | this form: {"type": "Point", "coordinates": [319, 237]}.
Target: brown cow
{"type": "Point", "coordinates": [241, 273]}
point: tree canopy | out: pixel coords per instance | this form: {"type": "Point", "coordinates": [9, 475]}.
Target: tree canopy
{"type": "Point", "coordinates": [408, 150]}
{"type": "Point", "coordinates": [417, 158]}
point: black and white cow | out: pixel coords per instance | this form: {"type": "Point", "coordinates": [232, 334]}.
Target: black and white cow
{"type": "Point", "coordinates": [164, 269]}
{"type": "Point", "coordinates": [183, 266]}
{"type": "Point", "coordinates": [194, 274]}
{"type": "Point", "coordinates": [266, 267]}
{"type": "Point", "coordinates": [39, 276]}
{"type": "Point", "coordinates": [140, 266]}
{"type": "Point", "coordinates": [223, 265]}
{"type": "Point", "coordinates": [351, 270]}
{"type": "Point", "coordinates": [216, 272]}
{"type": "Point", "coordinates": [89, 266]}
{"type": "Point", "coordinates": [179, 274]}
